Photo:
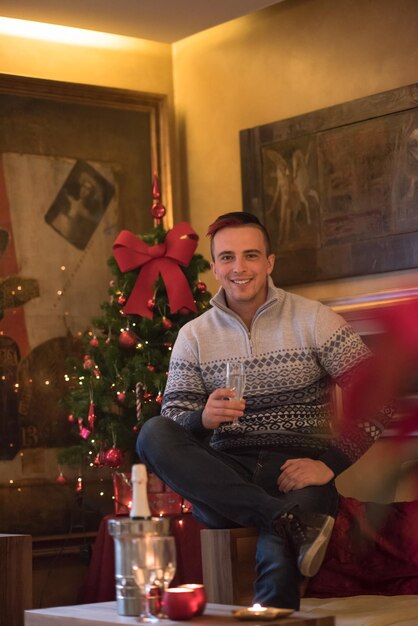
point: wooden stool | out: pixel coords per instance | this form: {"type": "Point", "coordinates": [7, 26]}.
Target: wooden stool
{"type": "Point", "coordinates": [228, 564]}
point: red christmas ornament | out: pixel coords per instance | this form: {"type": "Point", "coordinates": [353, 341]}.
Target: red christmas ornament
{"type": "Point", "coordinates": [201, 287]}
{"type": "Point", "coordinates": [167, 323]}
{"type": "Point", "coordinates": [121, 300]}
{"type": "Point", "coordinates": [91, 417]}
{"type": "Point", "coordinates": [99, 460]}
{"type": "Point", "coordinates": [60, 479]}
{"type": "Point", "coordinates": [151, 367]}
{"type": "Point", "coordinates": [84, 432]}
{"type": "Point", "coordinates": [156, 193]}
{"type": "Point", "coordinates": [151, 304]}
{"type": "Point", "coordinates": [114, 457]}
{"type": "Point", "coordinates": [138, 403]}
{"type": "Point", "coordinates": [121, 396]}
{"type": "Point", "coordinates": [71, 418]}
{"type": "Point", "coordinates": [127, 339]}
{"type": "Point", "coordinates": [158, 211]}
{"type": "Point", "coordinates": [159, 398]}
{"type": "Point", "coordinates": [88, 362]}
{"type": "Point", "coordinates": [94, 342]}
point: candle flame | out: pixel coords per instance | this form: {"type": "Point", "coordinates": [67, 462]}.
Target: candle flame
{"type": "Point", "coordinates": [257, 607]}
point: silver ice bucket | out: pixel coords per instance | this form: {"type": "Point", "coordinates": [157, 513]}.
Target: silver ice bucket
{"type": "Point", "coordinates": [124, 531]}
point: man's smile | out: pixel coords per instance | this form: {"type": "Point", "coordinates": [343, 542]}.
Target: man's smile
{"type": "Point", "coordinates": [240, 281]}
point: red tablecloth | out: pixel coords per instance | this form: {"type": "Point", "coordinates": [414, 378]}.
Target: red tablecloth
{"type": "Point", "coordinates": [99, 584]}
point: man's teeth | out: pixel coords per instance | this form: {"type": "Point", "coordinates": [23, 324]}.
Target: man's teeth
{"type": "Point", "coordinates": [244, 281]}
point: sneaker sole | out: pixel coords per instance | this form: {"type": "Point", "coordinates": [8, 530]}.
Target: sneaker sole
{"type": "Point", "coordinates": [314, 556]}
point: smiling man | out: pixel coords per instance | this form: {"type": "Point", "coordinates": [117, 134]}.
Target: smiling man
{"type": "Point", "coordinates": [270, 459]}
{"type": "Point", "coordinates": [241, 264]}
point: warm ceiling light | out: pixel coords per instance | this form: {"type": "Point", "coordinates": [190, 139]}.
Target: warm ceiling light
{"type": "Point", "coordinates": [64, 34]}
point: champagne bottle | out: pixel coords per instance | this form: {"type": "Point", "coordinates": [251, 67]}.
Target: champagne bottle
{"type": "Point", "coordinates": [140, 507]}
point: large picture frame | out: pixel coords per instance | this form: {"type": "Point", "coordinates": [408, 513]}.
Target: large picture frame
{"type": "Point", "coordinates": [76, 166]}
{"type": "Point", "coordinates": [337, 188]}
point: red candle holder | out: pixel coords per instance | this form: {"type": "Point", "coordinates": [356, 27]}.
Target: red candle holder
{"type": "Point", "coordinates": [200, 594]}
{"type": "Point", "coordinates": [179, 603]}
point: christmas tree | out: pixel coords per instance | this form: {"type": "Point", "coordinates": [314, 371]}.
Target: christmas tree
{"type": "Point", "coordinates": [119, 383]}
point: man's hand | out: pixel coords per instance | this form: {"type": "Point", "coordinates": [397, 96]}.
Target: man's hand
{"type": "Point", "coordinates": [221, 407]}
{"type": "Point", "coordinates": [299, 473]}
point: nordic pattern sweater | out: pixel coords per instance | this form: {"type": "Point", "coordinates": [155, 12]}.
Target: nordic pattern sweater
{"type": "Point", "coordinates": [292, 353]}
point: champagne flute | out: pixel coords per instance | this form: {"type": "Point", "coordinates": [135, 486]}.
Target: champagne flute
{"type": "Point", "coordinates": [145, 568]}
{"type": "Point", "coordinates": [165, 553]}
{"type": "Point", "coordinates": [235, 380]}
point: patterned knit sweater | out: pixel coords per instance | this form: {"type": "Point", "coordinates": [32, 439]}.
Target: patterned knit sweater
{"type": "Point", "coordinates": [294, 349]}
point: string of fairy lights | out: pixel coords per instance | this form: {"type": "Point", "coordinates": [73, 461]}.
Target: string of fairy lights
{"type": "Point", "coordinates": [125, 328]}
{"type": "Point", "coordinates": [59, 379]}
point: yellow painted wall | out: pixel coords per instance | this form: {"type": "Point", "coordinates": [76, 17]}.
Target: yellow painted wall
{"type": "Point", "coordinates": [289, 59]}
{"type": "Point", "coordinates": [125, 63]}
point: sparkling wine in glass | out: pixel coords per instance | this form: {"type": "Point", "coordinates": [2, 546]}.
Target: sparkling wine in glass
{"type": "Point", "coordinates": [165, 554]}
{"type": "Point", "coordinates": [145, 567]}
{"type": "Point", "coordinates": [235, 380]}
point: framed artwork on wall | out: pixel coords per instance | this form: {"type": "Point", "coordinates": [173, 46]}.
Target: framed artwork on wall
{"type": "Point", "coordinates": [76, 166]}
{"type": "Point", "coordinates": [337, 188]}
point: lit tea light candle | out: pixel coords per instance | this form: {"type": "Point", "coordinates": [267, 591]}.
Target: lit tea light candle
{"type": "Point", "coordinates": [257, 608]}
{"type": "Point", "coordinates": [179, 603]}
{"type": "Point", "coordinates": [199, 591]}
{"type": "Point", "coordinates": [261, 613]}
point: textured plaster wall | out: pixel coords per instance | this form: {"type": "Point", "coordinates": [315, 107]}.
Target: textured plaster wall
{"type": "Point", "coordinates": [126, 63]}
{"type": "Point", "coordinates": [289, 59]}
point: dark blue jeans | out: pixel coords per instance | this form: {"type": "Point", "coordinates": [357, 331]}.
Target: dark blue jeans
{"type": "Point", "coordinates": [234, 489]}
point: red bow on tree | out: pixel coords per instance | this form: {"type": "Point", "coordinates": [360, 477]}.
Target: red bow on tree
{"type": "Point", "coordinates": [164, 258]}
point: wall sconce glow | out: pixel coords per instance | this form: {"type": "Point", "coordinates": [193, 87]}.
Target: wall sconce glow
{"type": "Point", "coordinates": [64, 34]}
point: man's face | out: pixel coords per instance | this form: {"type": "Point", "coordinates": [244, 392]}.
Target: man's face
{"type": "Point", "coordinates": [241, 265]}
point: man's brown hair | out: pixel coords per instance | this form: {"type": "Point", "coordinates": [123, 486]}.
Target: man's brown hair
{"type": "Point", "coordinates": [237, 218]}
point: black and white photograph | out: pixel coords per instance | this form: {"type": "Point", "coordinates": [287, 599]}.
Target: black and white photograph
{"type": "Point", "coordinates": [80, 204]}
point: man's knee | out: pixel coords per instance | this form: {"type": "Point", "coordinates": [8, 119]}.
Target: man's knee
{"type": "Point", "coordinates": [153, 434]}
{"type": "Point", "coordinates": [147, 435]}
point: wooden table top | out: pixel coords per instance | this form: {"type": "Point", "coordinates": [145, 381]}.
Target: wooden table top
{"type": "Point", "coordinates": [105, 613]}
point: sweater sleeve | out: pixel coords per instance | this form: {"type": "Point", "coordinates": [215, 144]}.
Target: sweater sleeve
{"type": "Point", "coordinates": [185, 394]}
{"type": "Point", "coordinates": [343, 354]}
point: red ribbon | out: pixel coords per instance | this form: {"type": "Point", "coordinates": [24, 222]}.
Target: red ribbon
{"type": "Point", "coordinates": [164, 258]}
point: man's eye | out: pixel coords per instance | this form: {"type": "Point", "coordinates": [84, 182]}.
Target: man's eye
{"type": "Point", "coordinates": [226, 257]}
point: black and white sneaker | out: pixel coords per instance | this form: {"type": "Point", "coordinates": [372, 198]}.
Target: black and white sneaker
{"type": "Point", "coordinates": [309, 533]}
